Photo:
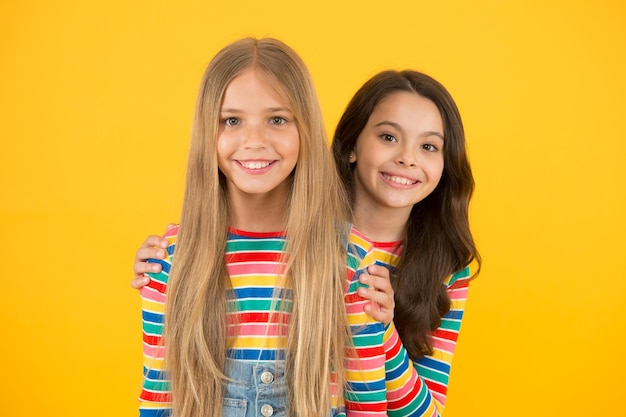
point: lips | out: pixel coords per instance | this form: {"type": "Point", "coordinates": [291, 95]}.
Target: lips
{"type": "Point", "coordinates": [399, 180]}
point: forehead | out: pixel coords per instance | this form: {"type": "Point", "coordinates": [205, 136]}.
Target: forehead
{"type": "Point", "coordinates": [253, 84]}
{"type": "Point", "coordinates": [407, 109]}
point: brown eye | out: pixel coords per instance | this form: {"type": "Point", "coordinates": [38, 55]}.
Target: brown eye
{"type": "Point", "coordinates": [388, 138]}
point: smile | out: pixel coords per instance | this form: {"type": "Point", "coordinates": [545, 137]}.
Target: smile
{"type": "Point", "coordinates": [399, 180]}
{"type": "Point", "coordinates": [254, 164]}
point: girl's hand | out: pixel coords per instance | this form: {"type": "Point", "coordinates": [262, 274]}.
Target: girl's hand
{"type": "Point", "coordinates": [380, 294]}
{"type": "Point", "coordinates": [153, 247]}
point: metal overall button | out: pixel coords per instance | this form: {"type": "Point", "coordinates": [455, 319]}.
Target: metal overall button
{"type": "Point", "coordinates": [267, 410]}
{"type": "Point", "coordinates": [267, 377]}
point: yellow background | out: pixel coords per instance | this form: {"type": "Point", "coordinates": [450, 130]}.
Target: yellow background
{"type": "Point", "coordinates": [96, 101]}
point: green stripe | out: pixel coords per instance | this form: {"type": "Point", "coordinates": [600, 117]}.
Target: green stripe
{"type": "Point", "coordinates": [367, 341]}
{"type": "Point", "coordinates": [153, 385]}
{"type": "Point", "coordinates": [246, 246]}
{"type": "Point", "coordinates": [450, 324]}
{"type": "Point", "coordinates": [259, 305]}
{"type": "Point", "coordinates": [432, 374]}
{"type": "Point", "coordinates": [151, 328]}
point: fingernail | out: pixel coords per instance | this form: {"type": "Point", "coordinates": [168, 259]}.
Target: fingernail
{"type": "Point", "coordinates": [155, 268]}
{"type": "Point", "coordinates": [160, 253]}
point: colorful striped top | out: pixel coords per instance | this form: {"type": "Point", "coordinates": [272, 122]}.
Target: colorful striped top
{"type": "Point", "coordinates": [254, 263]}
{"type": "Point", "coordinates": [418, 388]}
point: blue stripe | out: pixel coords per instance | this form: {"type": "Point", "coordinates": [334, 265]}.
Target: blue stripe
{"type": "Point", "coordinates": [365, 386]}
{"type": "Point", "coordinates": [428, 362]}
{"type": "Point", "coordinates": [154, 374]}
{"type": "Point", "coordinates": [152, 317]}
{"type": "Point", "coordinates": [253, 355]}
{"type": "Point", "coordinates": [367, 329]}
{"type": "Point", "coordinates": [454, 314]}
{"type": "Point", "coordinates": [261, 292]}
{"type": "Point", "coordinates": [151, 412]}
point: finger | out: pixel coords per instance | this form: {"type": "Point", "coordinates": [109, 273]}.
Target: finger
{"type": "Point", "coordinates": [154, 241]}
{"type": "Point", "coordinates": [140, 282]}
{"type": "Point", "coordinates": [140, 268]}
{"type": "Point", "coordinates": [149, 253]}
{"type": "Point", "coordinates": [379, 315]}
{"type": "Point", "coordinates": [377, 297]}
{"type": "Point", "coordinates": [377, 282]}
{"type": "Point", "coordinates": [379, 271]}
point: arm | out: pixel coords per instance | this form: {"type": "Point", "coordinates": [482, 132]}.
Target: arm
{"type": "Point", "coordinates": [365, 358]}
{"type": "Point", "coordinates": [155, 399]}
{"type": "Point", "coordinates": [420, 388]}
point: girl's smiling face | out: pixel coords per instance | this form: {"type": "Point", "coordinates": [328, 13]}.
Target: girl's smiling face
{"type": "Point", "coordinates": [399, 154]}
{"type": "Point", "coordinates": [258, 140]}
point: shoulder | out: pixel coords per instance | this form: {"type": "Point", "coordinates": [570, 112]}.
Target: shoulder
{"type": "Point", "coordinates": [171, 232]}
{"type": "Point", "coordinates": [459, 279]}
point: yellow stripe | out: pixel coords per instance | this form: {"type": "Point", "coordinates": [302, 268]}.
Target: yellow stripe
{"type": "Point", "coordinates": [442, 356]}
{"type": "Point", "coordinates": [152, 306]}
{"type": "Point", "coordinates": [364, 376]}
{"type": "Point", "coordinates": [253, 281]}
{"type": "Point", "coordinates": [259, 342]}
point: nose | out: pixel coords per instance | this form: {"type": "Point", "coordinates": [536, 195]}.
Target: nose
{"type": "Point", "coordinates": [406, 157]}
{"type": "Point", "coordinates": [254, 137]}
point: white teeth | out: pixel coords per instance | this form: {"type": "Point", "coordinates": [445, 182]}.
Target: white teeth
{"type": "Point", "coordinates": [399, 180]}
{"type": "Point", "coordinates": [254, 165]}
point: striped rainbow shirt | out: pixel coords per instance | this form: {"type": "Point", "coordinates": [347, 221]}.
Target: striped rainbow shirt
{"type": "Point", "coordinates": [254, 334]}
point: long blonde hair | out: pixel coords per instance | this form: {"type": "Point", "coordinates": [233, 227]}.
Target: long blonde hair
{"type": "Point", "coordinates": [195, 327]}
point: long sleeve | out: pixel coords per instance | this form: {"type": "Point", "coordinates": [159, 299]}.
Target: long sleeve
{"type": "Point", "coordinates": [155, 397]}
{"type": "Point", "coordinates": [365, 363]}
{"type": "Point", "coordinates": [420, 388]}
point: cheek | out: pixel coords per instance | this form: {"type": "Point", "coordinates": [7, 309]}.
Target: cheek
{"type": "Point", "coordinates": [291, 146]}
{"type": "Point", "coordinates": [435, 170]}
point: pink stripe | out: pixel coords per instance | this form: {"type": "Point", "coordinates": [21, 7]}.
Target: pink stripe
{"type": "Point", "coordinates": [257, 330]}
{"type": "Point", "coordinates": [252, 268]}
{"type": "Point", "coordinates": [152, 295]}
{"type": "Point", "coordinates": [440, 397]}
{"type": "Point", "coordinates": [154, 351]}
{"type": "Point", "coordinates": [364, 364]}
{"type": "Point", "coordinates": [356, 308]}
{"type": "Point", "coordinates": [458, 294]}
{"type": "Point", "coordinates": [444, 345]}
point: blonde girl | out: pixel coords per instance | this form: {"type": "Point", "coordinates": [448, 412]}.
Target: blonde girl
{"type": "Point", "coordinates": [250, 318]}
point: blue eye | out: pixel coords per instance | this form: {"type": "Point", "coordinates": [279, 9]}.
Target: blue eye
{"type": "Point", "coordinates": [277, 120]}
{"type": "Point", "coordinates": [231, 121]}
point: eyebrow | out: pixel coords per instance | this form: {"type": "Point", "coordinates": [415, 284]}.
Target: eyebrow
{"type": "Point", "coordinates": [269, 110]}
{"type": "Point", "coordinates": [398, 127]}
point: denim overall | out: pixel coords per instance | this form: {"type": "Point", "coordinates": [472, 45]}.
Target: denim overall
{"type": "Point", "coordinates": [256, 390]}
